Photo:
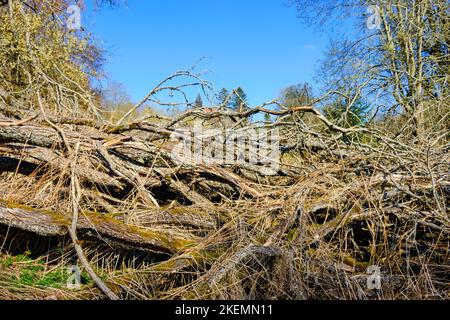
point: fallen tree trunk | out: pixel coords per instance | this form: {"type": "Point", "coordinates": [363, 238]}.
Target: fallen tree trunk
{"type": "Point", "coordinates": [113, 162]}
{"type": "Point", "coordinates": [203, 226]}
{"type": "Point", "coordinates": [114, 232]}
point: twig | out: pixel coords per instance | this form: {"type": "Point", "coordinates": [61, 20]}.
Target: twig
{"type": "Point", "coordinates": [17, 123]}
{"type": "Point", "coordinates": [76, 195]}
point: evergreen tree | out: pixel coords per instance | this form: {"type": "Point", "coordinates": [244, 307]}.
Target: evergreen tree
{"type": "Point", "coordinates": [199, 101]}
{"type": "Point", "coordinates": [223, 96]}
{"type": "Point", "coordinates": [239, 101]}
{"type": "Point", "coordinates": [356, 115]}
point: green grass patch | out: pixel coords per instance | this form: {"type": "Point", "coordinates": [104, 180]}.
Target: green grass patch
{"type": "Point", "coordinates": [24, 271]}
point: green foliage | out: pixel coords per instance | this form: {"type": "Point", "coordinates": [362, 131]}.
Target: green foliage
{"type": "Point", "coordinates": [239, 100]}
{"type": "Point", "coordinates": [223, 97]}
{"type": "Point", "coordinates": [355, 115]}
{"type": "Point", "coordinates": [36, 273]}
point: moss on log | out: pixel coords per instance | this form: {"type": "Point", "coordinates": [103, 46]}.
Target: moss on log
{"type": "Point", "coordinates": [93, 225]}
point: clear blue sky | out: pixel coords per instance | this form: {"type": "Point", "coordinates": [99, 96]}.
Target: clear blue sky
{"type": "Point", "coordinates": [257, 44]}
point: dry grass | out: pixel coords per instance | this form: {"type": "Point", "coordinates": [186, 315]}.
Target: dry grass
{"type": "Point", "coordinates": [312, 239]}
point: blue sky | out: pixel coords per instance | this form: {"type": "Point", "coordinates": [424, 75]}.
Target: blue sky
{"type": "Point", "coordinates": [257, 44]}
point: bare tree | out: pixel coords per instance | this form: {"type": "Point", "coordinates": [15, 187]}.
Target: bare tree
{"type": "Point", "coordinates": [399, 51]}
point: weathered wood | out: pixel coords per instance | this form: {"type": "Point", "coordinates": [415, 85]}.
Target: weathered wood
{"type": "Point", "coordinates": [111, 161]}
{"type": "Point", "coordinates": [32, 135]}
{"type": "Point", "coordinates": [103, 228]}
